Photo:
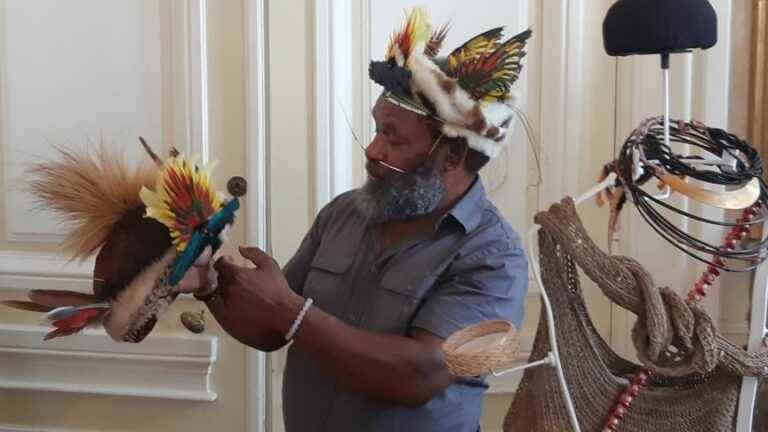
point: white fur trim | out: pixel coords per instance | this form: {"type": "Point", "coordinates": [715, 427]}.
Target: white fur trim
{"type": "Point", "coordinates": [125, 315]}
{"type": "Point", "coordinates": [455, 109]}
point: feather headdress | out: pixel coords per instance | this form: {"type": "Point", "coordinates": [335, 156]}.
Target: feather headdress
{"type": "Point", "coordinates": [148, 224]}
{"type": "Point", "coordinates": [470, 90]}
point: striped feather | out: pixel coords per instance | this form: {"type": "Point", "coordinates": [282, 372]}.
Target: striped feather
{"type": "Point", "coordinates": [26, 305]}
{"type": "Point", "coordinates": [59, 332]}
{"type": "Point", "coordinates": [67, 312]}
{"type": "Point", "coordinates": [58, 298]}
{"type": "Point", "coordinates": [479, 45]}
{"type": "Point", "coordinates": [486, 68]}
{"type": "Point", "coordinates": [435, 42]}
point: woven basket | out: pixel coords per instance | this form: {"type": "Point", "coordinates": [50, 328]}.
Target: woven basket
{"type": "Point", "coordinates": [482, 348]}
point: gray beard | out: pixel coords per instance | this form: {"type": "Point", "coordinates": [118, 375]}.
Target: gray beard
{"type": "Point", "coordinates": [401, 196]}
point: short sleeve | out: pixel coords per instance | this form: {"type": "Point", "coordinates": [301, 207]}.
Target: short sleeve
{"type": "Point", "coordinates": [295, 271]}
{"type": "Point", "coordinates": [487, 285]}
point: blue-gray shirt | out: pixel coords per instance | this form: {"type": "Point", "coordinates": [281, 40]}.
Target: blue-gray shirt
{"type": "Point", "coordinates": [471, 269]}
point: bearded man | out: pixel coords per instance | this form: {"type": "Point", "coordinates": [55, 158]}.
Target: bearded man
{"type": "Point", "coordinates": [390, 270]}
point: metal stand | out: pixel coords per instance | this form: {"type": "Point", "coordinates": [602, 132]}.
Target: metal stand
{"type": "Point", "coordinates": [757, 332]}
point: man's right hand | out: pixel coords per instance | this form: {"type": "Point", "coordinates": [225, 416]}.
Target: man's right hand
{"type": "Point", "coordinates": [201, 278]}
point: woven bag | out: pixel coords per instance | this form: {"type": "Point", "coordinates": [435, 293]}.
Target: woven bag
{"type": "Point", "coordinates": [699, 372]}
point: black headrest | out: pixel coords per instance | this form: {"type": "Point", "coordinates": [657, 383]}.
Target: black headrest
{"type": "Point", "coordinates": [659, 26]}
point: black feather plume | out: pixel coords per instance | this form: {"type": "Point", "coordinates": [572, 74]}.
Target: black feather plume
{"type": "Point", "coordinates": [394, 78]}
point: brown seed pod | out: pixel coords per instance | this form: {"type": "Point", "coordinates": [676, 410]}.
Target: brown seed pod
{"type": "Point", "coordinates": [194, 322]}
{"type": "Point", "coordinates": [237, 186]}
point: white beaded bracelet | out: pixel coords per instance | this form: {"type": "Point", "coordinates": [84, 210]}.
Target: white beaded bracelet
{"type": "Point", "coordinates": [298, 320]}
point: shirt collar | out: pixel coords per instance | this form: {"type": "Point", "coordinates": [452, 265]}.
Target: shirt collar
{"type": "Point", "coordinates": [469, 210]}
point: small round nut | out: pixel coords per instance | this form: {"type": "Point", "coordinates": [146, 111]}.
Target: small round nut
{"type": "Point", "coordinates": [194, 322]}
{"type": "Point", "coordinates": [237, 186]}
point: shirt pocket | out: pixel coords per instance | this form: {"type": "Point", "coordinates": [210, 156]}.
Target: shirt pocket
{"type": "Point", "coordinates": [325, 281]}
{"type": "Point", "coordinates": [397, 301]}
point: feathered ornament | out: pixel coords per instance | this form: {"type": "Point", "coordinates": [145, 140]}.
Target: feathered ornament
{"type": "Point", "coordinates": [182, 199]}
{"type": "Point", "coordinates": [486, 67]}
{"type": "Point", "coordinates": [144, 250]}
{"type": "Point", "coordinates": [68, 312]}
{"type": "Point", "coordinates": [616, 197]}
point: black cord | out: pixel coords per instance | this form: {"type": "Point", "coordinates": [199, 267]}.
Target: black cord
{"type": "Point", "coordinates": [648, 141]}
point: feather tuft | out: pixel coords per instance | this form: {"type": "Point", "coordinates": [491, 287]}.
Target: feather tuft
{"type": "Point", "coordinates": [435, 42]}
{"type": "Point", "coordinates": [90, 190]}
{"type": "Point", "coordinates": [411, 38]}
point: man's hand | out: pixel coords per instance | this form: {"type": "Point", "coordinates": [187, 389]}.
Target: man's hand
{"type": "Point", "coordinates": [257, 307]}
{"type": "Point", "coordinates": [262, 292]}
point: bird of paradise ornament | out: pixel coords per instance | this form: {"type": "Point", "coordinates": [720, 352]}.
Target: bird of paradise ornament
{"type": "Point", "coordinates": [146, 226]}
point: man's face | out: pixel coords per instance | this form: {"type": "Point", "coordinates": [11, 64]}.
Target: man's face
{"type": "Point", "coordinates": [403, 140]}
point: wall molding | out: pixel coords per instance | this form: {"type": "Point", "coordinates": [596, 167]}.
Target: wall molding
{"type": "Point", "coordinates": [7, 427]}
{"type": "Point", "coordinates": [38, 270]}
{"type": "Point", "coordinates": [758, 104]}
{"type": "Point", "coordinates": [168, 366]}
{"type": "Point", "coordinates": [562, 101]}
{"type": "Point", "coordinates": [192, 31]}
{"type": "Point", "coordinates": [189, 82]}
{"type": "Point", "coordinates": [258, 223]}
{"type": "Point", "coordinates": [334, 89]}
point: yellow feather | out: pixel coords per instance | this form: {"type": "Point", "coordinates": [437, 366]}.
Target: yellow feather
{"type": "Point", "coordinates": [161, 206]}
{"type": "Point", "coordinates": [412, 37]}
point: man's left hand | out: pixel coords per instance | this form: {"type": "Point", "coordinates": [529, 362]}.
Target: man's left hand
{"type": "Point", "coordinates": [263, 290]}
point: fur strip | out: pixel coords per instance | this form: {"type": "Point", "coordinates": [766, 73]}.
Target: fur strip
{"type": "Point", "coordinates": [462, 114]}
{"type": "Point", "coordinates": [145, 297]}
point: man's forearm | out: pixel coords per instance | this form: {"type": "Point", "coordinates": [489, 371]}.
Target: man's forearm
{"type": "Point", "coordinates": [395, 369]}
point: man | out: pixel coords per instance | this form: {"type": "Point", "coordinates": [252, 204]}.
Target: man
{"type": "Point", "coordinates": [388, 271]}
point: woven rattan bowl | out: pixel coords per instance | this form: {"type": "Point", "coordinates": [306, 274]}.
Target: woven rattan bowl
{"type": "Point", "coordinates": [482, 348]}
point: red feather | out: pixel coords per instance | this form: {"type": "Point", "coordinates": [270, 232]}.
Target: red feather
{"type": "Point", "coordinates": [79, 319]}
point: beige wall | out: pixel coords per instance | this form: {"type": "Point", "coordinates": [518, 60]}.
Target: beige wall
{"type": "Point", "coordinates": [290, 89]}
